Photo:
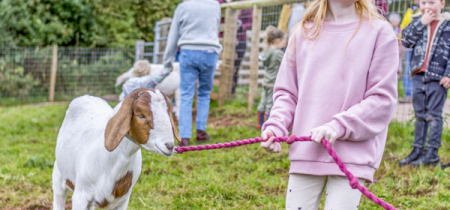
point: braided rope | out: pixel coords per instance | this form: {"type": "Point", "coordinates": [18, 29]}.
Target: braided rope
{"type": "Point", "coordinates": [353, 180]}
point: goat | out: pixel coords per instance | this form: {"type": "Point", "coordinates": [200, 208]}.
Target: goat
{"type": "Point", "coordinates": [170, 86]}
{"type": "Point", "coordinates": [98, 147]}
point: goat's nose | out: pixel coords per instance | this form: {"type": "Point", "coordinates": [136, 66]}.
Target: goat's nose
{"type": "Point", "coordinates": [169, 146]}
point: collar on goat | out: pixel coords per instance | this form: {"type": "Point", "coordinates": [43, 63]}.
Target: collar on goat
{"type": "Point", "coordinates": [129, 138]}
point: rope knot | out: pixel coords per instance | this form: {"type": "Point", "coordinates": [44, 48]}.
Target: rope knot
{"type": "Point", "coordinates": [354, 183]}
{"type": "Point", "coordinates": [291, 139]}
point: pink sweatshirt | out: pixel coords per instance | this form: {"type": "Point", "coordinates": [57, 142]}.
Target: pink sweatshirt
{"type": "Point", "coordinates": [352, 88]}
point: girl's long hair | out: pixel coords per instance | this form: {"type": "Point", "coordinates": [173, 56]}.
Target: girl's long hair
{"type": "Point", "coordinates": [316, 14]}
{"type": "Point", "coordinates": [317, 11]}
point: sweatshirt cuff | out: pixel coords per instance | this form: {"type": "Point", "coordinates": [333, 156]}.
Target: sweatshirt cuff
{"type": "Point", "coordinates": [278, 132]}
{"type": "Point", "coordinates": [338, 127]}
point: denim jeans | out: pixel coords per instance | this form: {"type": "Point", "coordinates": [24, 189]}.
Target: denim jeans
{"type": "Point", "coordinates": [201, 65]}
{"type": "Point", "coordinates": [428, 101]}
{"type": "Point", "coordinates": [407, 84]}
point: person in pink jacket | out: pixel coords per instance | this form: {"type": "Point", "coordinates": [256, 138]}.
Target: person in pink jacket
{"type": "Point", "coordinates": [338, 81]}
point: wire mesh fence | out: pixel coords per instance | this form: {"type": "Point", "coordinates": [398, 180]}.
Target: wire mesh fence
{"type": "Point", "coordinates": [25, 72]}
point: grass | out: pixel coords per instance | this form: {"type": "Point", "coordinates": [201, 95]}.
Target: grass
{"type": "Point", "coordinates": [238, 178]}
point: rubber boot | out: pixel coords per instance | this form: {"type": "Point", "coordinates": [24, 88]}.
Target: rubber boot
{"type": "Point", "coordinates": [413, 156]}
{"type": "Point", "coordinates": [431, 158]}
{"type": "Point", "coordinates": [260, 120]}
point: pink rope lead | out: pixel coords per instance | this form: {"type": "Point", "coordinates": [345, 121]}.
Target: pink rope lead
{"type": "Point", "coordinates": [353, 180]}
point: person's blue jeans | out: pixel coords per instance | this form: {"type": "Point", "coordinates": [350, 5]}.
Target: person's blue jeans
{"type": "Point", "coordinates": [407, 83]}
{"type": "Point", "coordinates": [202, 65]}
{"type": "Point", "coordinates": [428, 101]}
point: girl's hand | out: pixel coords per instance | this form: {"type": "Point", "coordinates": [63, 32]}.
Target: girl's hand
{"type": "Point", "coordinates": [324, 131]}
{"type": "Point", "coordinates": [445, 81]}
{"type": "Point", "coordinates": [269, 145]}
{"type": "Point", "coordinates": [427, 17]}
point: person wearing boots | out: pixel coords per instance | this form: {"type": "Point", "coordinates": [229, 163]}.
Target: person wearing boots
{"type": "Point", "coordinates": [427, 34]}
{"type": "Point", "coordinates": [194, 29]}
{"type": "Point", "coordinates": [271, 57]}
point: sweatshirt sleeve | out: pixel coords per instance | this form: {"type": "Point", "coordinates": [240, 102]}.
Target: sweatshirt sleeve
{"type": "Point", "coordinates": [172, 41]}
{"type": "Point", "coordinates": [151, 82]}
{"type": "Point", "coordinates": [285, 96]}
{"type": "Point", "coordinates": [372, 115]}
{"type": "Point", "coordinates": [413, 33]}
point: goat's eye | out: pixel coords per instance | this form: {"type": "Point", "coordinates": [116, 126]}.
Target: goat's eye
{"type": "Point", "coordinates": [141, 116]}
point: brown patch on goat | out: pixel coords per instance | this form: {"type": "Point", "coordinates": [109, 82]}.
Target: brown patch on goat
{"type": "Point", "coordinates": [70, 185]}
{"type": "Point", "coordinates": [103, 204]}
{"type": "Point", "coordinates": [142, 119]}
{"type": "Point", "coordinates": [119, 125]}
{"type": "Point", "coordinates": [123, 185]}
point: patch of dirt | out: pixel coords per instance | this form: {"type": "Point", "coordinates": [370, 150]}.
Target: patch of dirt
{"type": "Point", "coordinates": [234, 119]}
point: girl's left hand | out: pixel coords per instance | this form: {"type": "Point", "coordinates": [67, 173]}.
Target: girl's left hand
{"type": "Point", "coordinates": [324, 131]}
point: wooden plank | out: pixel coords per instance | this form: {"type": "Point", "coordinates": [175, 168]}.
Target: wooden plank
{"type": "Point", "coordinates": [254, 55]}
{"type": "Point", "coordinates": [242, 82]}
{"type": "Point", "coordinates": [249, 4]}
{"type": "Point", "coordinates": [228, 55]}
{"type": "Point", "coordinates": [214, 96]}
{"type": "Point", "coordinates": [53, 72]}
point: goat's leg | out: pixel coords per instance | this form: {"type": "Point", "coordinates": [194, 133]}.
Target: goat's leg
{"type": "Point", "coordinates": [177, 102]}
{"type": "Point", "coordinates": [59, 190]}
{"type": "Point", "coordinates": [124, 205]}
{"type": "Point", "coordinates": [79, 200]}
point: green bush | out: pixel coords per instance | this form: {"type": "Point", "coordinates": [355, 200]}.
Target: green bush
{"type": "Point", "coordinates": [14, 82]}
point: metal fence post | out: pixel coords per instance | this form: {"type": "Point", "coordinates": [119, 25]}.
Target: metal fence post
{"type": "Point", "coordinates": [139, 50]}
{"type": "Point", "coordinates": [156, 44]}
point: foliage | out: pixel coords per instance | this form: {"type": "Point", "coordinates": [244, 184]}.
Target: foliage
{"type": "Point", "coordinates": [105, 23]}
{"type": "Point", "coordinates": [234, 178]}
{"type": "Point", "coordinates": [14, 82]}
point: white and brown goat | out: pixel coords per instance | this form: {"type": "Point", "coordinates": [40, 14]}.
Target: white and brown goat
{"type": "Point", "coordinates": [98, 148]}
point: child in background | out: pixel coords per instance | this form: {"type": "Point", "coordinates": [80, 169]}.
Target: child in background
{"type": "Point", "coordinates": [338, 82]}
{"type": "Point", "coordinates": [141, 69]}
{"type": "Point", "coordinates": [395, 19]}
{"type": "Point", "coordinates": [429, 37]}
{"type": "Point", "coordinates": [271, 57]}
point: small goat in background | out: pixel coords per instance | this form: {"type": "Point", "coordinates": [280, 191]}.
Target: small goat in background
{"type": "Point", "coordinates": [98, 148]}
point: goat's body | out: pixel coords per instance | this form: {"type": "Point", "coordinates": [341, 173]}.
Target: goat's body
{"type": "Point", "coordinates": [81, 158]}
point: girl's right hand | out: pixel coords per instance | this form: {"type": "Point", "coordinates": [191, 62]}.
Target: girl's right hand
{"type": "Point", "coordinates": [270, 146]}
{"type": "Point", "coordinates": [427, 17]}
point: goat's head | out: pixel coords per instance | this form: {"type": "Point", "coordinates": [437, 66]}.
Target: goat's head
{"type": "Point", "coordinates": [146, 115]}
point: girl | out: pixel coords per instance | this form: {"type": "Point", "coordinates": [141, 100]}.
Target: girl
{"type": "Point", "coordinates": [141, 69]}
{"type": "Point", "coordinates": [271, 58]}
{"type": "Point", "coordinates": [337, 81]}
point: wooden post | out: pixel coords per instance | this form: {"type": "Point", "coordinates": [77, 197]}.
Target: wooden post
{"type": "Point", "coordinates": [53, 73]}
{"type": "Point", "coordinates": [228, 55]}
{"type": "Point", "coordinates": [254, 55]}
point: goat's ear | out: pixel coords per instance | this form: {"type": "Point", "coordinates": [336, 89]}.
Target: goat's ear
{"type": "Point", "coordinates": [170, 111]}
{"type": "Point", "coordinates": [119, 125]}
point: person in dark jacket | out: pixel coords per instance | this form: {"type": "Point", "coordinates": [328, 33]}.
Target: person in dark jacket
{"type": "Point", "coordinates": [429, 37]}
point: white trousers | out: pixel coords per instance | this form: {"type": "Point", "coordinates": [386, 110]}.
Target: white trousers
{"type": "Point", "coordinates": [305, 191]}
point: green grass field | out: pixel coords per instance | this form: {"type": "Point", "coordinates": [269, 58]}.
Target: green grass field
{"type": "Point", "coordinates": [238, 178]}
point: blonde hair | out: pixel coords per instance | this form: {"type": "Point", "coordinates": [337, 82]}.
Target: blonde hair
{"type": "Point", "coordinates": [317, 12]}
{"type": "Point", "coordinates": [141, 68]}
